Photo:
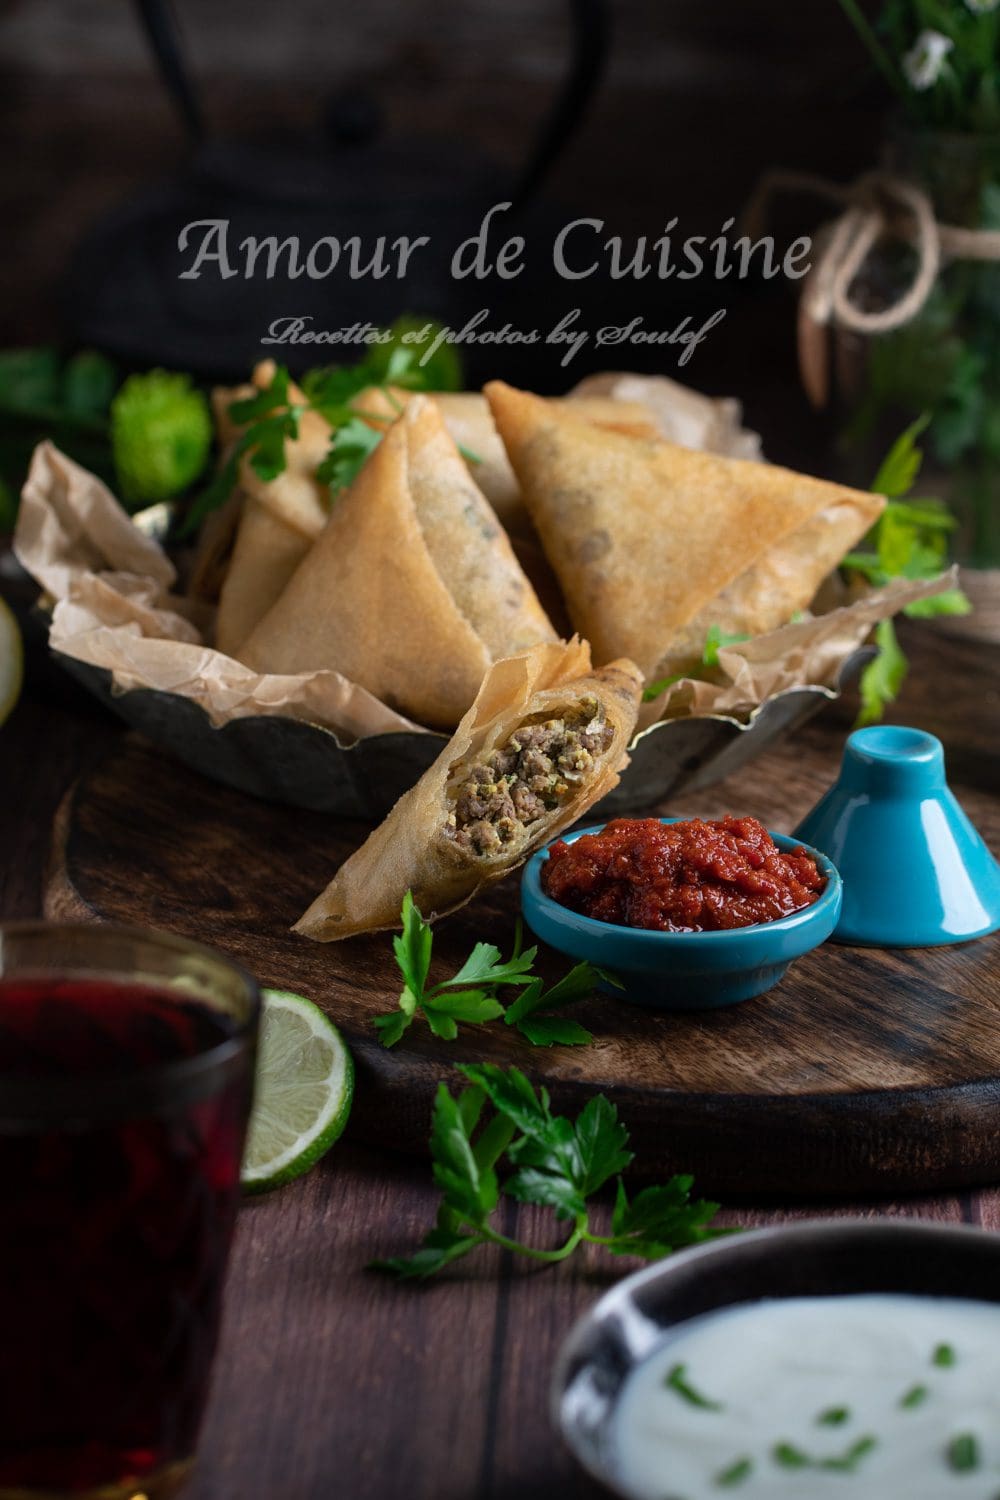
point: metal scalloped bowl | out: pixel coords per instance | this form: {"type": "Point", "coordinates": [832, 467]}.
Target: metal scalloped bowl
{"type": "Point", "coordinates": [817, 1258]}
{"type": "Point", "coordinates": [304, 765]}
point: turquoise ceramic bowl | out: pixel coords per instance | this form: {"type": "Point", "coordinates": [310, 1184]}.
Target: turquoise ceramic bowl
{"type": "Point", "coordinates": [916, 872]}
{"type": "Point", "coordinates": [683, 970]}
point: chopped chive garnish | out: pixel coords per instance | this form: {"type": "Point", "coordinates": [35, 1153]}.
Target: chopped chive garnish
{"type": "Point", "coordinates": [848, 1462]}
{"type": "Point", "coordinates": [944, 1356]}
{"type": "Point", "coordinates": [677, 1381]}
{"type": "Point", "coordinates": [789, 1456]}
{"type": "Point", "coordinates": [963, 1453]}
{"type": "Point", "coordinates": [834, 1416]}
{"type": "Point", "coordinates": [915, 1396]}
{"type": "Point", "coordinates": [736, 1473]}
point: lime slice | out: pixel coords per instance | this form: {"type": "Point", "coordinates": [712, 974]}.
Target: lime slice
{"type": "Point", "coordinates": [11, 662]}
{"type": "Point", "coordinates": [305, 1081]}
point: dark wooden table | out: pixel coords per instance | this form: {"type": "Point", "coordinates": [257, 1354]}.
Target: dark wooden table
{"type": "Point", "coordinates": [334, 1382]}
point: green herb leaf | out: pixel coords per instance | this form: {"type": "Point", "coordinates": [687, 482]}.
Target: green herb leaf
{"type": "Point", "coordinates": [463, 1005]}
{"type": "Point", "coordinates": [944, 1357]}
{"type": "Point", "coordinates": [552, 1031]}
{"type": "Point", "coordinates": [736, 1473]}
{"type": "Point", "coordinates": [249, 409]}
{"type": "Point", "coordinates": [882, 678]}
{"type": "Point", "coordinates": [543, 1031]}
{"type": "Point", "coordinates": [439, 1249]}
{"type": "Point", "coordinates": [392, 1027]}
{"type": "Point", "coordinates": [29, 380]}
{"type": "Point", "coordinates": [660, 686]}
{"type": "Point", "coordinates": [963, 1453]}
{"type": "Point", "coordinates": [89, 382]}
{"type": "Point", "coordinates": [717, 640]}
{"type": "Point", "coordinates": [901, 465]}
{"type": "Point", "coordinates": [951, 602]}
{"type": "Point", "coordinates": [676, 1380]}
{"type": "Point", "coordinates": [550, 1189]}
{"type": "Point", "coordinates": [485, 966]}
{"type": "Point", "coordinates": [834, 1416]}
{"type": "Point", "coordinates": [915, 1396]}
{"type": "Point", "coordinates": [469, 1189]}
{"type": "Point", "coordinates": [846, 1463]}
{"type": "Point", "coordinates": [510, 1092]}
{"type": "Point", "coordinates": [790, 1457]}
{"type": "Point", "coordinates": [266, 451]}
{"type": "Point", "coordinates": [910, 540]}
{"type": "Point", "coordinates": [218, 490]}
{"type": "Point", "coordinates": [558, 1164]}
{"type": "Point", "coordinates": [418, 369]}
{"type": "Point", "coordinates": [443, 1026]}
{"type": "Point", "coordinates": [352, 445]}
{"type": "Point", "coordinates": [270, 417]}
{"type": "Point", "coordinates": [660, 1219]}
{"type": "Point", "coordinates": [412, 946]}
{"type": "Point", "coordinates": [601, 1140]}
{"type": "Point", "coordinates": [471, 995]}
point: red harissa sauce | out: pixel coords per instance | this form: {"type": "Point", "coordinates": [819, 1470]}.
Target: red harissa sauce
{"type": "Point", "coordinates": [695, 876]}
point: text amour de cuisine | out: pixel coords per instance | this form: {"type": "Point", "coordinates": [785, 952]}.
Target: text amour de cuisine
{"type": "Point", "coordinates": [578, 252]}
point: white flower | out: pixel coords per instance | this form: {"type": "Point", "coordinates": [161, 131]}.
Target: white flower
{"type": "Point", "coordinates": [982, 7]}
{"type": "Point", "coordinates": [924, 63]}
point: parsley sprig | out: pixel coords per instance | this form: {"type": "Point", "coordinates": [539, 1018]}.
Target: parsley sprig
{"type": "Point", "coordinates": [270, 418]}
{"type": "Point", "coordinates": [559, 1163]}
{"type": "Point", "coordinates": [909, 540]}
{"type": "Point", "coordinates": [716, 640]}
{"type": "Point", "coordinates": [471, 995]}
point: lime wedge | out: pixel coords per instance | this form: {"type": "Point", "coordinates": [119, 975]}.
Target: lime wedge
{"type": "Point", "coordinates": [11, 662]}
{"type": "Point", "coordinates": [305, 1081]}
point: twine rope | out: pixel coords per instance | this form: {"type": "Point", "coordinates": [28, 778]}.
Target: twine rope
{"type": "Point", "coordinates": [877, 206]}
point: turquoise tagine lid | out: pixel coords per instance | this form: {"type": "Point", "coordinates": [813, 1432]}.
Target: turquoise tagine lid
{"type": "Point", "coordinates": [916, 873]}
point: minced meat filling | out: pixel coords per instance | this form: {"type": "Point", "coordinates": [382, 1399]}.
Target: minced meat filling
{"type": "Point", "coordinates": [527, 777]}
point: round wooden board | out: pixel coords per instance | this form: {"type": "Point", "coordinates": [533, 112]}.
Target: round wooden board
{"type": "Point", "coordinates": [862, 1071]}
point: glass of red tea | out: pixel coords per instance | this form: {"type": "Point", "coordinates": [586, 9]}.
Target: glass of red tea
{"type": "Point", "coordinates": [126, 1078]}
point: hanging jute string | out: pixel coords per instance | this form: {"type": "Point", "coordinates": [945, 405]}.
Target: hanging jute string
{"type": "Point", "coordinates": [878, 206]}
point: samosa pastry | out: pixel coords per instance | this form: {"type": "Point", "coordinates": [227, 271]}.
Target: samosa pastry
{"type": "Point", "coordinates": [545, 739]}
{"type": "Point", "coordinates": [279, 521]}
{"type": "Point", "coordinates": [652, 542]}
{"type": "Point", "coordinates": [267, 551]}
{"type": "Point", "coordinates": [468, 419]}
{"type": "Point", "coordinates": [412, 588]}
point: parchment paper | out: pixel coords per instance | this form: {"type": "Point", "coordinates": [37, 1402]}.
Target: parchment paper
{"type": "Point", "coordinates": [711, 424]}
{"type": "Point", "coordinates": [113, 608]}
{"type": "Point", "coordinates": [809, 653]}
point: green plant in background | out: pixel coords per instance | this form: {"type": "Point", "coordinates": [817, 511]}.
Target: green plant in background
{"type": "Point", "coordinates": [941, 59]}
{"type": "Point", "coordinates": [909, 540]}
{"type": "Point", "coordinates": [43, 395]}
{"type": "Point", "coordinates": [149, 438]}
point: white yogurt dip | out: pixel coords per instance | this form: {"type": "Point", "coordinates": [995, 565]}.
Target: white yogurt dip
{"type": "Point", "coordinates": [869, 1397]}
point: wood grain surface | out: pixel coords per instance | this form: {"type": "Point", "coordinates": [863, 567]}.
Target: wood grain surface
{"type": "Point", "coordinates": [333, 1382]}
{"type": "Point", "coordinates": [863, 1070]}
